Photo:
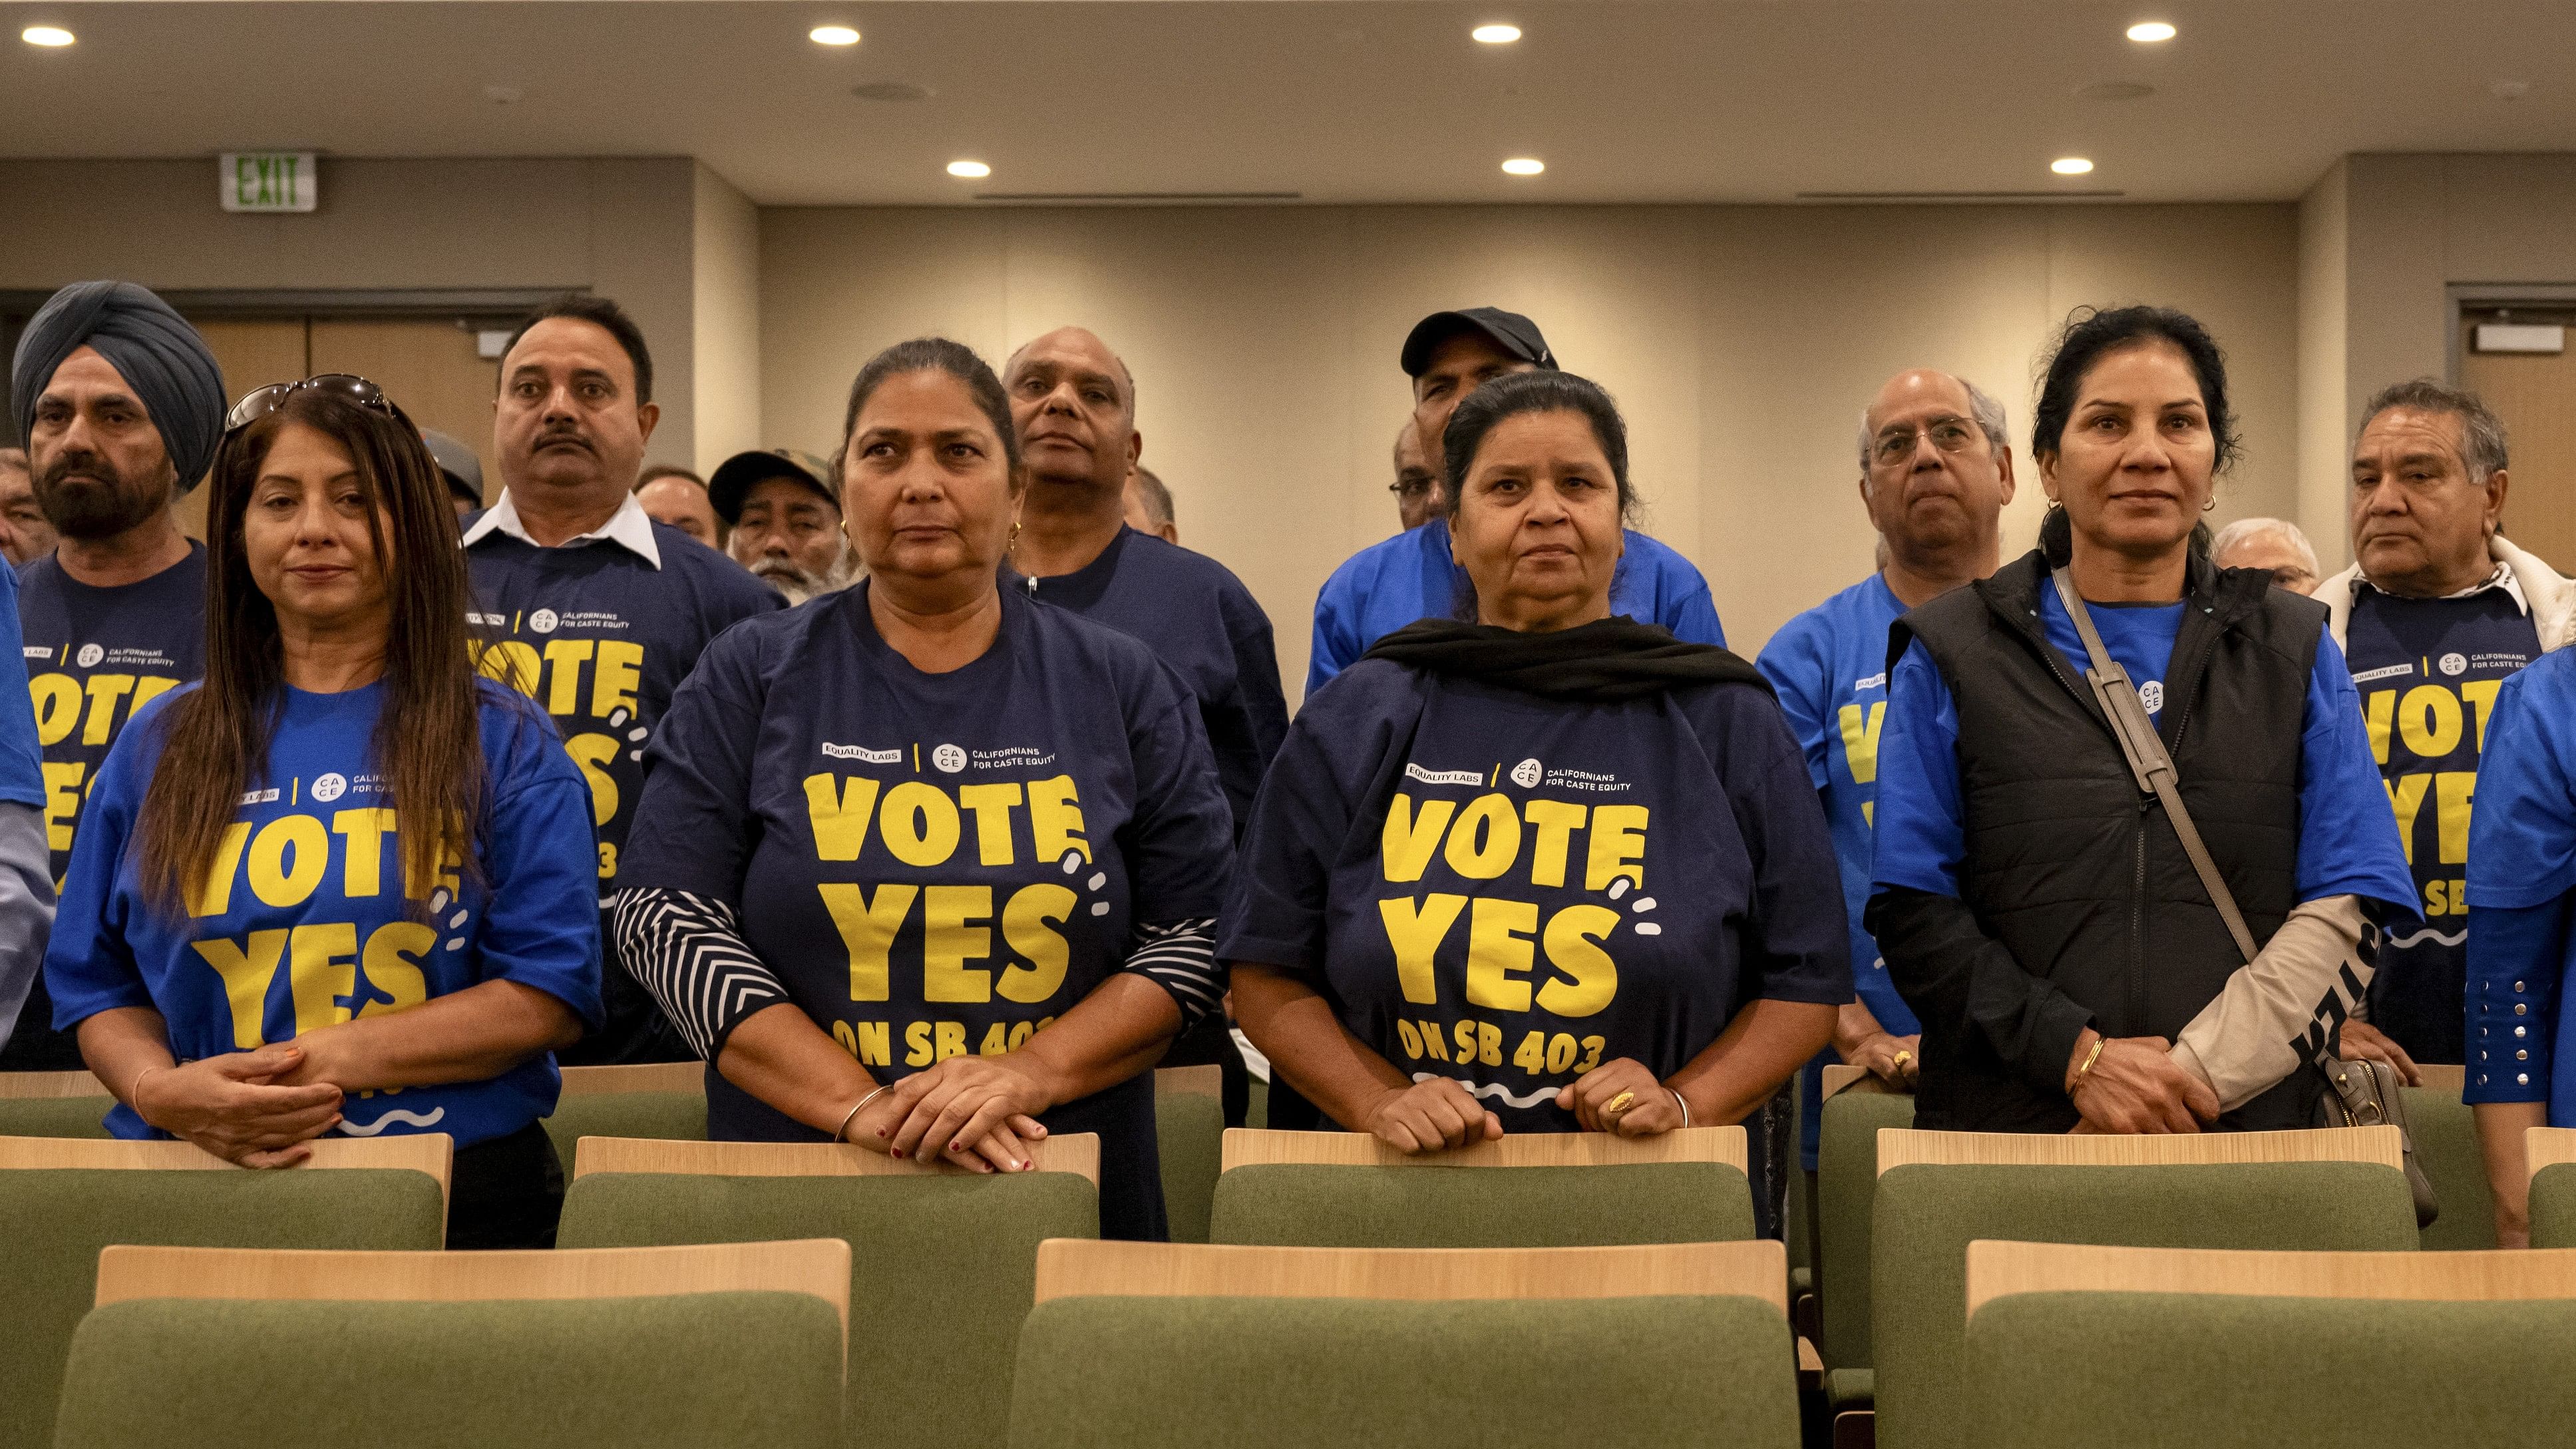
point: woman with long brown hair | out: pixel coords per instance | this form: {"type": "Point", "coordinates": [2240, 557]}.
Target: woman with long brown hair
{"type": "Point", "coordinates": [343, 884]}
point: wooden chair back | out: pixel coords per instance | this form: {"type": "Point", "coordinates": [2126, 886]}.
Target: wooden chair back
{"type": "Point", "coordinates": [1898, 1147]}
{"type": "Point", "coordinates": [1997, 1270]}
{"type": "Point", "coordinates": [1075, 1152]}
{"type": "Point", "coordinates": [1247, 1147]}
{"type": "Point", "coordinates": [1069, 1268]}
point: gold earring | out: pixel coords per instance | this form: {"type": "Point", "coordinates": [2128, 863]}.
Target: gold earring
{"type": "Point", "coordinates": [1014, 540]}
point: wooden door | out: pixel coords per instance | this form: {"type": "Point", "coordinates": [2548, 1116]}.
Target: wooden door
{"type": "Point", "coordinates": [2535, 394]}
{"type": "Point", "coordinates": [253, 352]}
{"type": "Point", "coordinates": [427, 365]}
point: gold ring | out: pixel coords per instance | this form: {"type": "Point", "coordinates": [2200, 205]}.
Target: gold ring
{"type": "Point", "coordinates": [1903, 1057]}
{"type": "Point", "coordinates": [1619, 1104]}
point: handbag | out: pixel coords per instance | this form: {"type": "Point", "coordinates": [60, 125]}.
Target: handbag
{"type": "Point", "coordinates": [2359, 1094]}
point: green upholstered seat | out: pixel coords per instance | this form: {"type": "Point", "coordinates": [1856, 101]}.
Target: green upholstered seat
{"type": "Point", "coordinates": [1926, 1216]}
{"type": "Point", "coordinates": [2445, 1133]}
{"type": "Point", "coordinates": [942, 1270]}
{"type": "Point", "coordinates": [759, 1370]}
{"type": "Point", "coordinates": [54, 1221]}
{"type": "Point", "coordinates": [1190, 1126]}
{"type": "Point", "coordinates": [1293, 1373]}
{"type": "Point", "coordinates": [1846, 1182]}
{"type": "Point", "coordinates": [2553, 1206]}
{"type": "Point", "coordinates": [55, 1116]}
{"type": "Point", "coordinates": [1318, 1206]}
{"type": "Point", "coordinates": [2188, 1371]}
{"type": "Point", "coordinates": [681, 1115]}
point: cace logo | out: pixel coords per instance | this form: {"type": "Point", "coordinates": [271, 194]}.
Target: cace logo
{"type": "Point", "coordinates": [1527, 774]}
{"type": "Point", "coordinates": [89, 656]}
{"type": "Point", "coordinates": [2151, 695]}
{"type": "Point", "coordinates": [327, 788]}
{"type": "Point", "coordinates": [949, 758]}
{"type": "Point", "coordinates": [2455, 665]}
{"type": "Point", "coordinates": [542, 621]}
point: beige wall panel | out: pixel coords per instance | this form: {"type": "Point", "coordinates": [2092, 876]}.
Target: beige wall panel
{"type": "Point", "coordinates": [252, 353]}
{"type": "Point", "coordinates": [725, 327]}
{"type": "Point", "coordinates": [428, 366]}
{"type": "Point", "coordinates": [2325, 304]}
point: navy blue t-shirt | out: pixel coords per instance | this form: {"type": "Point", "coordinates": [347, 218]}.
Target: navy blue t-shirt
{"type": "Point", "coordinates": [94, 658]}
{"type": "Point", "coordinates": [1199, 619]}
{"type": "Point", "coordinates": [937, 864]}
{"type": "Point", "coordinates": [2428, 671]}
{"type": "Point", "coordinates": [310, 918]}
{"type": "Point", "coordinates": [601, 639]}
{"type": "Point", "coordinates": [1511, 891]}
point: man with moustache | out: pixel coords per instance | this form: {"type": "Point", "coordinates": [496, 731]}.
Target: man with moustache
{"type": "Point", "coordinates": [782, 521]}
{"type": "Point", "coordinates": [1417, 483]}
{"type": "Point", "coordinates": [593, 609]}
{"type": "Point", "coordinates": [2437, 609]}
{"type": "Point", "coordinates": [1935, 474]}
{"type": "Point", "coordinates": [1073, 404]}
{"type": "Point", "coordinates": [121, 404]}
{"type": "Point", "coordinates": [24, 533]}
{"type": "Point", "coordinates": [1411, 576]}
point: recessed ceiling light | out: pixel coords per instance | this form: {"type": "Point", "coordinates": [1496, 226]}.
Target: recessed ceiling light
{"type": "Point", "coordinates": [832, 35]}
{"type": "Point", "coordinates": [1524, 166]}
{"type": "Point", "coordinates": [2070, 166]}
{"type": "Point", "coordinates": [2151, 32]}
{"type": "Point", "coordinates": [969, 170]}
{"type": "Point", "coordinates": [52, 37]}
{"type": "Point", "coordinates": [1496, 34]}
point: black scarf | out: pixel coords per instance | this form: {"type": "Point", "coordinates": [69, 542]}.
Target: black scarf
{"type": "Point", "coordinates": [1607, 662]}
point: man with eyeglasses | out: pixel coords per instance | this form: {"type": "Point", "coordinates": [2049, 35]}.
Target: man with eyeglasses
{"type": "Point", "coordinates": [1411, 576]}
{"type": "Point", "coordinates": [121, 404]}
{"type": "Point", "coordinates": [1935, 474]}
{"type": "Point", "coordinates": [1417, 483]}
{"type": "Point", "coordinates": [591, 608]}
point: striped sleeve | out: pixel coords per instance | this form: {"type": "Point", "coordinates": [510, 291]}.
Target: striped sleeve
{"type": "Point", "coordinates": [1180, 957]}
{"type": "Point", "coordinates": [688, 952]}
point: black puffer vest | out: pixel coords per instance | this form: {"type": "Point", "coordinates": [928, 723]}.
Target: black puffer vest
{"type": "Point", "coordinates": [2074, 869]}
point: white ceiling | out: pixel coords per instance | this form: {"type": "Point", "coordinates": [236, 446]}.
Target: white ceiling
{"type": "Point", "coordinates": [1355, 101]}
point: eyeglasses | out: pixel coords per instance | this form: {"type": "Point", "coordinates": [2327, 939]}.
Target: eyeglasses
{"type": "Point", "coordinates": [1412, 487]}
{"type": "Point", "coordinates": [1950, 435]}
{"type": "Point", "coordinates": [347, 386]}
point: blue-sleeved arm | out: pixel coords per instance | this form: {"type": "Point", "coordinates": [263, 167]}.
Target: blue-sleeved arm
{"type": "Point", "coordinates": [89, 966]}
{"type": "Point", "coordinates": [2515, 956]}
{"type": "Point", "coordinates": [1795, 664]}
{"type": "Point", "coordinates": [2522, 884]}
{"type": "Point", "coordinates": [2348, 841]}
{"type": "Point", "coordinates": [22, 770]}
{"type": "Point", "coordinates": [1693, 617]}
{"type": "Point", "coordinates": [541, 923]}
{"type": "Point", "coordinates": [1922, 835]}
{"type": "Point", "coordinates": [1337, 635]}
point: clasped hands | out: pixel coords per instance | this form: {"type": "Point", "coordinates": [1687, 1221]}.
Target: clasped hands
{"type": "Point", "coordinates": [2135, 1086]}
{"type": "Point", "coordinates": [1439, 1112]}
{"type": "Point", "coordinates": [977, 1112]}
{"type": "Point", "coordinates": [256, 1108]}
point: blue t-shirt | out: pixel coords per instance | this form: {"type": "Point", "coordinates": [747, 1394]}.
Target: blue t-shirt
{"type": "Point", "coordinates": [600, 639]}
{"type": "Point", "coordinates": [937, 864]}
{"type": "Point", "coordinates": [1388, 585]}
{"type": "Point", "coordinates": [2347, 842]}
{"type": "Point", "coordinates": [1510, 891]}
{"type": "Point", "coordinates": [308, 920]}
{"type": "Point", "coordinates": [1829, 666]}
{"type": "Point", "coordinates": [1198, 618]}
{"type": "Point", "coordinates": [94, 657]}
{"type": "Point", "coordinates": [22, 761]}
{"type": "Point", "coordinates": [2428, 671]}
{"type": "Point", "coordinates": [2522, 883]}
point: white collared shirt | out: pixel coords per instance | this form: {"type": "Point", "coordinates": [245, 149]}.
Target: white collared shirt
{"type": "Point", "coordinates": [630, 527]}
{"type": "Point", "coordinates": [2502, 578]}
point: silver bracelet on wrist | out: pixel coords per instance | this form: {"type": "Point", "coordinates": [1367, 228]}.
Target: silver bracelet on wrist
{"type": "Point", "coordinates": [840, 1133]}
{"type": "Point", "coordinates": [1685, 1104]}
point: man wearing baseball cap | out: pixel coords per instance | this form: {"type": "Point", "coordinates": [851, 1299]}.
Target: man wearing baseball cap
{"type": "Point", "coordinates": [462, 470]}
{"type": "Point", "coordinates": [1386, 586]}
{"type": "Point", "coordinates": [785, 521]}
{"type": "Point", "coordinates": [121, 404]}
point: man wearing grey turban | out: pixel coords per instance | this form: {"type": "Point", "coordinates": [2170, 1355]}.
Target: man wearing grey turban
{"type": "Point", "coordinates": [121, 404]}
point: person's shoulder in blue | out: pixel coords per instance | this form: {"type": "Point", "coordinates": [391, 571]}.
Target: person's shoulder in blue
{"type": "Point", "coordinates": [1411, 576]}
{"type": "Point", "coordinates": [2522, 894]}
{"type": "Point", "coordinates": [26, 877]}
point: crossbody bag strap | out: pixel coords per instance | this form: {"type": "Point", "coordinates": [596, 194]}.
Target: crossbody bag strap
{"type": "Point", "coordinates": [2148, 759]}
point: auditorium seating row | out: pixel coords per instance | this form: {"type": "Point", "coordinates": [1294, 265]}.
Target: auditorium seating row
{"type": "Point", "coordinates": [1597, 1290]}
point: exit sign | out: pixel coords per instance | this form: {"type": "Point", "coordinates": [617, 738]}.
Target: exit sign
{"type": "Point", "coordinates": [267, 180]}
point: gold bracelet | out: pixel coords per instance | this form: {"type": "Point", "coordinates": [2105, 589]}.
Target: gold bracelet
{"type": "Point", "coordinates": [2090, 1058]}
{"type": "Point", "coordinates": [840, 1133]}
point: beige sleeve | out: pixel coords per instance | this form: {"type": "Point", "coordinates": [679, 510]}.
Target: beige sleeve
{"type": "Point", "coordinates": [2250, 1037]}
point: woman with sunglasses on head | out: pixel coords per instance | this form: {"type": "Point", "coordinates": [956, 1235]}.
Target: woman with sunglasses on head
{"type": "Point", "coordinates": [343, 884]}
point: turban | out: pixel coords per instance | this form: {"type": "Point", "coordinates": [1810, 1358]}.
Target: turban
{"type": "Point", "coordinates": [152, 347]}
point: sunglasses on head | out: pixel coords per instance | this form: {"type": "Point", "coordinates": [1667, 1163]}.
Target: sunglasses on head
{"type": "Point", "coordinates": [347, 386]}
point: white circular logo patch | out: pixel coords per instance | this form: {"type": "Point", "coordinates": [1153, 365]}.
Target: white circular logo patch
{"type": "Point", "coordinates": [2152, 695]}
{"type": "Point", "coordinates": [949, 758]}
{"type": "Point", "coordinates": [328, 788]}
{"type": "Point", "coordinates": [90, 654]}
{"type": "Point", "coordinates": [543, 621]}
{"type": "Point", "coordinates": [2455, 664]}
{"type": "Point", "coordinates": [1526, 774]}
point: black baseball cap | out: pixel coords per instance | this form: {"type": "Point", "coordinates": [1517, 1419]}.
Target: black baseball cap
{"type": "Point", "coordinates": [734, 479]}
{"type": "Point", "coordinates": [1510, 331]}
